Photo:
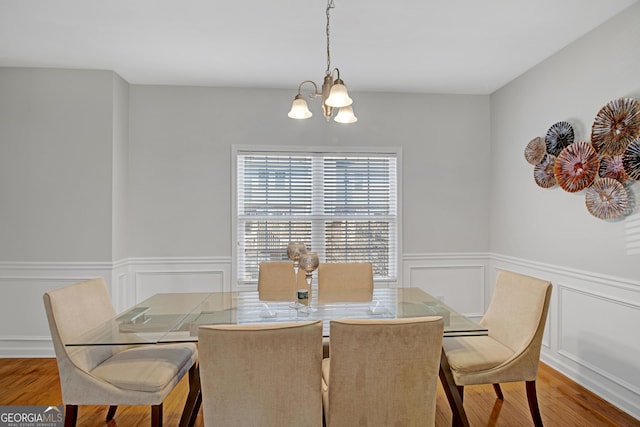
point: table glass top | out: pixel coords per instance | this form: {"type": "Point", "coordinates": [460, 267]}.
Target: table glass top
{"type": "Point", "coordinates": [175, 317]}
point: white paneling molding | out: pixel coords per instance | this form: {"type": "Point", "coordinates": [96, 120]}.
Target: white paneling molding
{"type": "Point", "coordinates": [162, 275]}
{"type": "Point", "coordinates": [457, 279]}
{"type": "Point", "coordinates": [586, 337]}
{"type": "Point", "coordinates": [24, 331]}
{"type": "Point", "coordinates": [590, 334]}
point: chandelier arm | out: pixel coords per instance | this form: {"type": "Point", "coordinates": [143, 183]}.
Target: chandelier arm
{"type": "Point", "coordinates": [315, 93]}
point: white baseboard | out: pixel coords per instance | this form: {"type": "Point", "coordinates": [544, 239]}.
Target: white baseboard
{"type": "Point", "coordinates": [26, 347]}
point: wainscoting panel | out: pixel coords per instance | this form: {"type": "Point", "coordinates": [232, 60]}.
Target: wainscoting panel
{"type": "Point", "coordinates": [591, 334]}
{"type": "Point", "coordinates": [149, 283]}
{"type": "Point", "coordinates": [150, 276]}
{"type": "Point", "coordinates": [24, 331]}
{"type": "Point", "coordinates": [120, 279]}
{"type": "Point", "coordinates": [601, 343]}
{"type": "Point", "coordinates": [458, 280]}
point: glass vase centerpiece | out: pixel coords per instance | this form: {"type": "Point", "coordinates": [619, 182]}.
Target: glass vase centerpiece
{"type": "Point", "coordinates": [309, 262]}
{"type": "Point", "coordinates": [294, 251]}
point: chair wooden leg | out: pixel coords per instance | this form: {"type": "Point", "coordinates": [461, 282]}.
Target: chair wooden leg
{"type": "Point", "coordinates": [325, 349]}
{"type": "Point", "coordinates": [156, 415]}
{"type": "Point", "coordinates": [461, 391]}
{"type": "Point", "coordinates": [112, 412]}
{"type": "Point", "coordinates": [70, 415]}
{"type": "Point", "coordinates": [194, 398]}
{"type": "Point", "coordinates": [459, 416]}
{"type": "Point", "coordinates": [532, 397]}
{"type": "Point", "coordinates": [498, 390]}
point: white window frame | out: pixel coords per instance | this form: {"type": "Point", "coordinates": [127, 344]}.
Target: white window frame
{"type": "Point", "coordinates": [275, 150]}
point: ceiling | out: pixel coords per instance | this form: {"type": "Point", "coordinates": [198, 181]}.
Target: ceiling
{"type": "Point", "coordinates": [436, 46]}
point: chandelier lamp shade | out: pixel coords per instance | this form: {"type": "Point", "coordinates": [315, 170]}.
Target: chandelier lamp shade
{"type": "Point", "coordinates": [333, 93]}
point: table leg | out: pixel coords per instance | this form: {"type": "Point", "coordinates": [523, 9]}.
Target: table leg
{"type": "Point", "coordinates": [459, 417]}
{"type": "Point", "coordinates": [194, 399]}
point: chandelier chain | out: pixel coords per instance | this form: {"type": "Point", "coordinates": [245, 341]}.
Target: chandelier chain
{"type": "Point", "coordinates": [330, 5]}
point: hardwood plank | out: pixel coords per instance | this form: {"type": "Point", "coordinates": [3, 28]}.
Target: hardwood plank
{"type": "Point", "coordinates": [36, 382]}
{"type": "Point", "coordinates": [562, 401]}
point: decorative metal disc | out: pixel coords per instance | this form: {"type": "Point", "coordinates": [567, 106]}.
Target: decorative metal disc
{"type": "Point", "coordinates": [559, 136]}
{"type": "Point", "coordinates": [606, 198]}
{"type": "Point", "coordinates": [616, 125]}
{"type": "Point", "coordinates": [612, 167]}
{"type": "Point", "coordinates": [576, 167]}
{"type": "Point", "coordinates": [543, 172]}
{"type": "Point", "coordinates": [535, 150]}
{"type": "Point", "coordinates": [631, 160]}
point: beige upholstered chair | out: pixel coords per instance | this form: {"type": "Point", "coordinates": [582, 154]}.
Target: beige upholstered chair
{"type": "Point", "coordinates": [344, 282]}
{"type": "Point", "coordinates": [382, 372]}
{"type": "Point", "coordinates": [511, 352]}
{"type": "Point", "coordinates": [108, 375]}
{"type": "Point", "coordinates": [345, 275]}
{"type": "Point", "coordinates": [266, 375]}
{"type": "Point", "coordinates": [276, 281]}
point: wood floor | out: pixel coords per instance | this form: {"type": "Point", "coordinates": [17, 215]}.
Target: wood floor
{"type": "Point", "coordinates": [562, 402]}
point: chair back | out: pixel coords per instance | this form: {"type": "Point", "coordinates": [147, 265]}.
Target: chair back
{"type": "Point", "coordinates": [384, 372]}
{"type": "Point", "coordinates": [261, 375]}
{"type": "Point", "coordinates": [71, 311]}
{"type": "Point", "coordinates": [277, 280]}
{"type": "Point", "coordinates": [345, 275]}
{"type": "Point", "coordinates": [518, 311]}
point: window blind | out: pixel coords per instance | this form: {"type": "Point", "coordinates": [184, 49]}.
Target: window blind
{"type": "Point", "coordinates": [342, 206]}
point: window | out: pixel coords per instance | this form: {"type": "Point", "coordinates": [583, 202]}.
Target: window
{"type": "Point", "coordinates": [341, 205]}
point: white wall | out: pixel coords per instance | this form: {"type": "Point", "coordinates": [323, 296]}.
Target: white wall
{"type": "Point", "coordinates": [61, 133]}
{"type": "Point", "coordinates": [551, 225]}
{"type": "Point", "coordinates": [592, 332]}
{"type": "Point", "coordinates": [56, 133]}
{"type": "Point", "coordinates": [120, 174]}
{"type": "Point", "coordinates": [180, 162]}
{"type": "Point", "coordinates": [159, 159]}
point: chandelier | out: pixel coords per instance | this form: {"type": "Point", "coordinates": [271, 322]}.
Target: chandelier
{"type": "Point", "coordinates": [334, 93]}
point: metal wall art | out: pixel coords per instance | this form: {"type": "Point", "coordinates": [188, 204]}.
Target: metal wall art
{"type": "Point", "coordinates": [612, 167]}
{"type": "Point", "coordinates": [543, 172]}
{"type": "Point", "coordinates": [576, 167]}
{"type": "Point", "coordinates": [606, 198]}
{"type": "Point", "coordinates": [559, 136]}
{"type": "Point", "coordinates": [604, 167]}
{"type": "Point", "coordinates": [535, 151]}
{"type": "Point", "coordinates": [631, 160]}
{"type": "Point", "coordinates": [615, 126]}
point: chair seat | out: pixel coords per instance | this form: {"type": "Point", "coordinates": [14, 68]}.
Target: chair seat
{"type": "Point", "coordinates": [148, 368]}
{"type": "Point", "coordinates": [473, 354]}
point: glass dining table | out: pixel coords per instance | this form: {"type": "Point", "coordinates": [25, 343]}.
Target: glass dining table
{"type": "Point", "coordinates": [176, 317]}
